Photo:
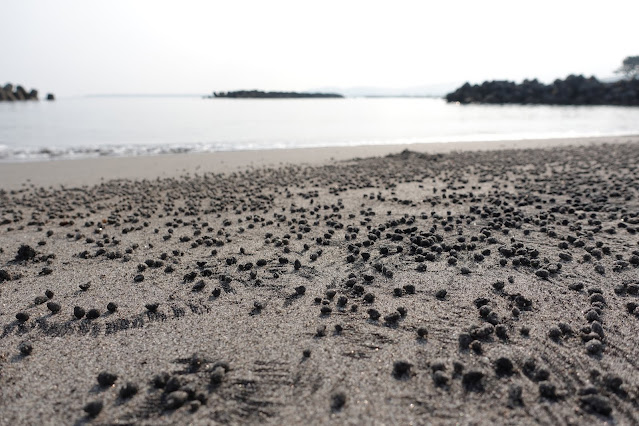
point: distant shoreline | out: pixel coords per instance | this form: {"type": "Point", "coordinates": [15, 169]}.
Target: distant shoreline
{"type": "Point", "coordinates": [258, 94]}
{"type": "Point", "coordinates": [199, 96]}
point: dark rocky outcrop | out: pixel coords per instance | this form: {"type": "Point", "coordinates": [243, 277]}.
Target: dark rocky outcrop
{"type": "Point", "coordinates": [272, 95]}
{"type": "Point", "coordinates": [19, 93]}
{"type": "Point", "coordinates": [574, 90]}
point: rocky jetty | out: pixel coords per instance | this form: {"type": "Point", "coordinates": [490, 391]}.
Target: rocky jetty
{"type": "Point", "coordinates": [272, 95]}
{"type": "Point", "coordinates": [574, 90]}
{"type": "Point", "coordinates": [19, 93]}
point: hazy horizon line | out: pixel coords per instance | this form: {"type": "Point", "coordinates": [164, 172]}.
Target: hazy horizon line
{"type": "Point", "coordinates": [202, 95]}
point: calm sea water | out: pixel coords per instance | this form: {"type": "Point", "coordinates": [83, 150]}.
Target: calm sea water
{"type": "Point", "coordinates": [128, 126]}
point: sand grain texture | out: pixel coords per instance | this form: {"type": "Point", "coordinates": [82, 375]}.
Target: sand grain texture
{"type": "Point", "coordinates": [456, 288]}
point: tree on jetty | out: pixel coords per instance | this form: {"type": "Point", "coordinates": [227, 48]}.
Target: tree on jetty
{"type": "Point", "coordinates": [630, 67]}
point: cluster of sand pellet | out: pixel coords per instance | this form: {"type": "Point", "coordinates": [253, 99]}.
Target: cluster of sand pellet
{"type": "Point", "coordinates": [470, 287]}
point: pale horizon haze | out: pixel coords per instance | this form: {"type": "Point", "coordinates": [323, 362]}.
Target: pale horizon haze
{"type": "Point", "coordinates": [72, 47]}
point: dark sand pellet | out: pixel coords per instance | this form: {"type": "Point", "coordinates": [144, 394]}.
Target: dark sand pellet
{"type": "Point", "coordinates": [106, 378]}
{"type": "Point", "coordinates": [22, 316]}
{"type": "Point", "coordinates": [92, 313]}
{"type": "Point", "coordinates": [93, 408]}
{"type": "Point", "coordinates": [25, 348]}
{"type": "Point", "coordinates": [129, 390]}
{"type": "Point", "coordinates": [79, 312]}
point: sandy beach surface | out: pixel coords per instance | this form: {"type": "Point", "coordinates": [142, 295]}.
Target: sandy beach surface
{"type": "Point", "coordinates": [492, 283]}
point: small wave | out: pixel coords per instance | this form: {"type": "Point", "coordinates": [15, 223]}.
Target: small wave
{"type": "Point", "coordinates": [27, 154]}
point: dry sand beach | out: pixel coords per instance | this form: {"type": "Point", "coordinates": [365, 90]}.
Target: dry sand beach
{"type": "Point", "coordinates": [443, 284]}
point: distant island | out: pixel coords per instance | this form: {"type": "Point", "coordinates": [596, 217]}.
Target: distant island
{"type": "Point", "coordinates": [258, 94]}
{"type": "Point", "coordinates": [574, 90]}
{"type": "Point", "coordinates": [10, 94]}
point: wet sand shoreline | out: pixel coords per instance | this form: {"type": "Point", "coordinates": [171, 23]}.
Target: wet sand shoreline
{"type": "Point", "coordinates": [92, 171]}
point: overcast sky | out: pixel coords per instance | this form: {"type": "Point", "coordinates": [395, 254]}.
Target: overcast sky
{"type": "Point", "coordinates": [75, 47]}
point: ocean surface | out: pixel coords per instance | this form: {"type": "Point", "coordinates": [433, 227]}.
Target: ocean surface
{"type": "Point", "coordinates": [129, 126]}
